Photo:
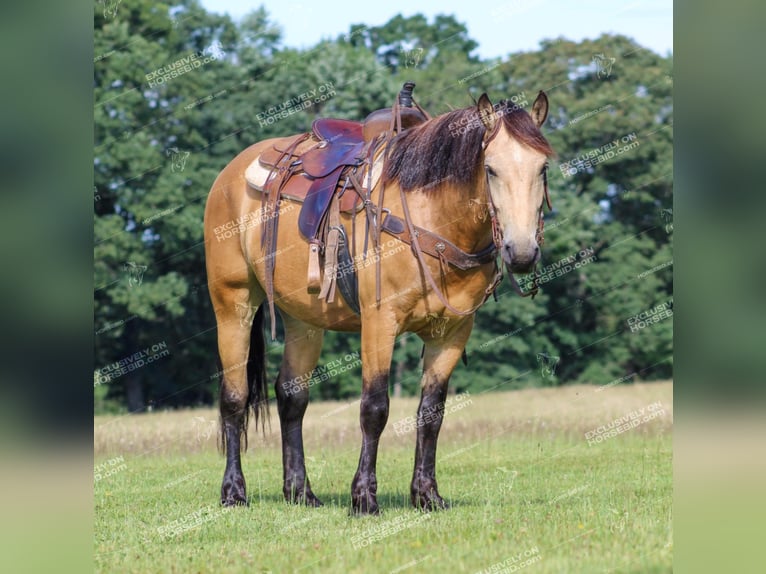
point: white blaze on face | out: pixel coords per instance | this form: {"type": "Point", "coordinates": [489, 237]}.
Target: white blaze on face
{"type": "Point", "coordinates": [517, 188]}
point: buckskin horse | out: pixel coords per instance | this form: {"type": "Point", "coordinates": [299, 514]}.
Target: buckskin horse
{"type": "Point", "coordinates": [417, 252]}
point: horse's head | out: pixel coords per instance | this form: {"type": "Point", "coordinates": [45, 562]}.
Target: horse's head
{"type": "Point", "coordinates": [515, 159]}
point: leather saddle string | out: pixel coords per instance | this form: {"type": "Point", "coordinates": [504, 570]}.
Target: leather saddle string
{"type": "Point", "coordinates": [270, 226]}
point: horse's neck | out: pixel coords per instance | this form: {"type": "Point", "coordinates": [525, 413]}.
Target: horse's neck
{"type": "Point", "coordinates": [460, 214]}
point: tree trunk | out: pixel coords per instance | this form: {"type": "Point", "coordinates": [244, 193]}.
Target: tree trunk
{"type": "Point", "coordinates": [134, 393]}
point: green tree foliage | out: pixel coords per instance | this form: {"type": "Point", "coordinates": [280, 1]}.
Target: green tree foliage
{"type": "Point", "coordinates": [179, 91]}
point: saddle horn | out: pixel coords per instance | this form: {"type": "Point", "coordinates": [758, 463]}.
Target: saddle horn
{"type": "Point", "coordinates": [405, 94]}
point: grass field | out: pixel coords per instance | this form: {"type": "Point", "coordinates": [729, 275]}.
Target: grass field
{"type": "Point", "coordinates": [528, 492]}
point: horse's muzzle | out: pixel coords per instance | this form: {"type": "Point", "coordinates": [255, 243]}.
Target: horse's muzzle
{"type": "Point", "coordinates": [520, 260]}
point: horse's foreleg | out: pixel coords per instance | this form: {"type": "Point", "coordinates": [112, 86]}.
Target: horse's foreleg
{"type": "Point", "coordinates": [441, 356]}
{"type": "Point", "coordinates": [302, 347]}
{"type": "Point", "coordinates": [377, 349]}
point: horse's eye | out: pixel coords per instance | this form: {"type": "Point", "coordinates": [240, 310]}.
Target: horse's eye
{"type": "Point", "coordinates": [545, 168]}
{"type": "Point", "coordinates": [491, 172]}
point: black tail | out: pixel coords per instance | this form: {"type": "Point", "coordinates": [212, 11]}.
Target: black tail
{"type": "Point", "coordinates": [258, 397]}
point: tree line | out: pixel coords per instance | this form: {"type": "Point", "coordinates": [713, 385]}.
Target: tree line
{"type": "Point", "coordinates": [179, 91]}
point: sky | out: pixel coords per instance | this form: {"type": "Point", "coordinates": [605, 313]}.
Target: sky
{"type": "Point", "coordinates": [500, 27]}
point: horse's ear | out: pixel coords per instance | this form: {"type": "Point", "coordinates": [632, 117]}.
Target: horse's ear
{"type": "Point", "coordinates": [486, 112]}
{"type": "Point", "coordinates": [540, 109]}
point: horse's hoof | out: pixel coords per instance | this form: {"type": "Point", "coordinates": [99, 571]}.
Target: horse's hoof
{"type": "Point", "coordinates": [306, 498]}
{"type": "Point", "coordinates": [364, 505]}
{"type": "Point", "coordinates": [429, 501]}
{"type": "Point", "coordinates": [233, 492]}
{"type": "Point", "coordinates": [311, 500]}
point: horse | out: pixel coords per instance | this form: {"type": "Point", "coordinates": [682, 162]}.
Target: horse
{"type": "Point", "coordinates": [434, 174]}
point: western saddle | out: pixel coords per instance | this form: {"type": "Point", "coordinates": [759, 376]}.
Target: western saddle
{"type": "Point", "coordinates": [333, 169]}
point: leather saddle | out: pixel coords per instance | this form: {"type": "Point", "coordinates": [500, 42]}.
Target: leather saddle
{"type": "Point", "coordinates": [336, 146]}
{"type": "Point", "coordinates": [315, 168]}
{"type": "Point", "coordinates": [333, 169]}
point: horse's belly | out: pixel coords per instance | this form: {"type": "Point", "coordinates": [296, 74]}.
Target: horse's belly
{"type": "Point", "coordinates": [291, 262]}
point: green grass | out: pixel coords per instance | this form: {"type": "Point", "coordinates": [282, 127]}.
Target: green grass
{"type": "Point", "coordinates": [515, 467]}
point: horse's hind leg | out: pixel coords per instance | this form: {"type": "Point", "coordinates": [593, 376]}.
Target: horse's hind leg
{"type": "Point", "coordinates": [241, 349]}
{"type": "Point", "coordinates": [302, 347]}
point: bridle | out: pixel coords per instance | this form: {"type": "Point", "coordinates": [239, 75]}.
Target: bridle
{"type": "Point", "coordinates": [497, 233]}
{"type": "Point", "coordinates": [497, 239]}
